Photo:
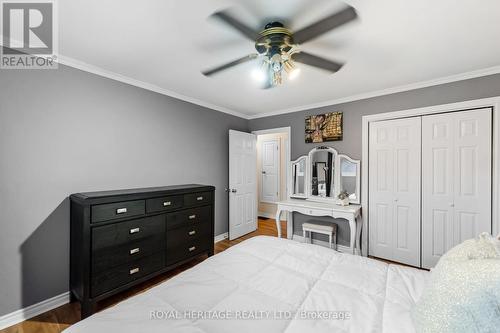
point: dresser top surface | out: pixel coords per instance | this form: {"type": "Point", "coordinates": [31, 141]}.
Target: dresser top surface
{"type": "Point", "coordinates": [186, 188]}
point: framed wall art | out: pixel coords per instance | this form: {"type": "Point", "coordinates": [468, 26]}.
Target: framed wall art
{"type": "Point", "coordinates": [324, 127]}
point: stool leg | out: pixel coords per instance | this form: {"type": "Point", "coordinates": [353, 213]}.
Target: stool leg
{"type": "Point", "coordinates": [335, 240]}
{"type": "Point", "coordinates": [330, 240]}
{"type": "Point", "coordinates": [310, 237]}
{"type": "Point", "coordinates": [304, 236]}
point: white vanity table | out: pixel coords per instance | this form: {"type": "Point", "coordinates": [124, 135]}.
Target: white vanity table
{"type": "Point", "coordinates": [306, 207]}
{"type": "Point", "coordinates": [315, 182]}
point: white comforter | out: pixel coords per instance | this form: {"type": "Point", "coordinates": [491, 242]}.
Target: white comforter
{"type": "Point", "coordinates": [277, 285]}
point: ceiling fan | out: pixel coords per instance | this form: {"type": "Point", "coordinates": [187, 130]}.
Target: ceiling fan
{"type": "Point", "coordinates": [279, 48]}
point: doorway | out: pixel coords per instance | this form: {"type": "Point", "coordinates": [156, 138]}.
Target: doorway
{"type": "Point", "coordinates": [273, 164]}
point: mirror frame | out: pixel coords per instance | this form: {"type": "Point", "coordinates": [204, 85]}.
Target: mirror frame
{"type": "Point", "coordinates": [336, 177]}
{"type": "Point", "coordinates": [358, 176]}
{"type": "Point", "coordinates": [309, 174]}
{"type": "Point", "coordinates": [306, 180]}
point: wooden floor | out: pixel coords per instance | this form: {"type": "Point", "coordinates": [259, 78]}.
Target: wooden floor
{"type": "Point", "coordinates": [57, 320]}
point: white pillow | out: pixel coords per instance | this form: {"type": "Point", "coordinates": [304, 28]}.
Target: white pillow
{"type": "Point", "coordinates": [463, 294]}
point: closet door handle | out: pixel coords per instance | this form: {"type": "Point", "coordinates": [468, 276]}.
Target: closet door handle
{"type": "Point", "coordinates": [134, 251]}
{"type": "Point", "coordinates": [191, 217]}
{"type": "Point", "coordinates": [192, 232]}
{"type": "Point", "coordinates": [192, 248]}
{"type": "Point", "coordinates": [167, 203]}
{"type": "Point", "coordinates": [199, 198]}
{"type": "Point", "coordinates": [134, 270]}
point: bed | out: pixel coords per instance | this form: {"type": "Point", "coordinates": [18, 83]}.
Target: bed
{"type": "Point", "coordinates": [268, 284]}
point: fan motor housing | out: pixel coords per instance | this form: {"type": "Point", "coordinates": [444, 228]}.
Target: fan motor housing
{"type": "Point", "coordinates": [275, 38]}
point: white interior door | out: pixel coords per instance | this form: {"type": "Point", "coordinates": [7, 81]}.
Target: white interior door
{"type": "Point", "coordinates": [270, 175]}
{"type": "Point", "coordinates": [381, 189]}
{"type": "Point", "coordinates": [242, 183]}
{"type": "Point", "coordinates": [457, 180]}
{"type": "Point", "coordinates": [472, 199]}
{"type": "Point", "coordinates": [407, 191]}
{"type": "Point", "coordinates": [394, 190]}
{"type": "Point", "coordinates": [437, 187]}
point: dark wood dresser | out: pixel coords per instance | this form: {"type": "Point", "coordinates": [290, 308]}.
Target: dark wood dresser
{"type": "Point", "coordinates": [122, 238]}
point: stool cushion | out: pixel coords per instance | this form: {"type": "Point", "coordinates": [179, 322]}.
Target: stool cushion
{"type": "Point", "coordinates": [319, 227]}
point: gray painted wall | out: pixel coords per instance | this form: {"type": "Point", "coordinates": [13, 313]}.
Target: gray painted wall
{"type": "Point", "coordinates": [65, 131]}
{"type": "Point", "coordinates": [488, 86]}
{"type": "Point", "coordinates": [68, 131]}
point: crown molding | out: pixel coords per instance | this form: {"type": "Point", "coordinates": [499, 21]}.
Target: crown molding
{"type": "Point", "coordinates": [148, 86]}
{"type": "Point", "coordinates": [389, 91]}
{"type": "Point", "coordinates": [70, 62]}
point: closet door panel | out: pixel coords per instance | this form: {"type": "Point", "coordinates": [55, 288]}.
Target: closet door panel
{"type": "Point", "coordinates": [380, 211]}
{"type": "Point", "coordinates": [406, 193]}
{"type": "Point", "coordinates": [394, 190]}
{"type": "Point", "coordinates": [456, 183]}
{"type": "Point", "coordinates": [472, 195]}
{"type": "Point", "coordinates": [437, 187]}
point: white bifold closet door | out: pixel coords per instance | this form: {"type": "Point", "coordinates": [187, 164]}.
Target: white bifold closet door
{"type": "Point", "coordinates": [394, 190]}
{"type": "Point", "coordinates": [456, 180]}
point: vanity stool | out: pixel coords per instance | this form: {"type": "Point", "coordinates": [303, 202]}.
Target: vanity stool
{"type": "Point", "coordinates": [330, 230]}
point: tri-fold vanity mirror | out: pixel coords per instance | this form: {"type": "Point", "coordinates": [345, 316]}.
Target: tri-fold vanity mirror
{"type": "Point", "coordinates": [323, 174]}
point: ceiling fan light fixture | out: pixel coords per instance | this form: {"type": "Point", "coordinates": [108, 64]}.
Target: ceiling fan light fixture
{"type": "Point", "coordinates": [259, 75]}
{"type": "Point", "coordinates": [294, 73]}
{"type": "Point", "coordinates": [292, 70]}
{"type": "Point", "coordinates": [276, 44]}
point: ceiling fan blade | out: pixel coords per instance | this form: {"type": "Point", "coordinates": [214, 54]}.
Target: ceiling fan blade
{"type": "Point", "coordinates": [328, 23]}
{"type": "Point", "coordinates": [312, 60]}
{"type": "Point", "coordinates": [236, 24]}
{"type": "Point", "coordinates": [230, 64]}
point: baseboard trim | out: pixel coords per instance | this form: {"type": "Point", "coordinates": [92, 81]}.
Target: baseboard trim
{"type": "Point", "coordinates": [265, 214]}
{"type": "Point", "coordinates": [221, 237]}
{"type": "Point", "coordinates": [33, 310]}
{"type": "Point", "coordinates": [340, 248]}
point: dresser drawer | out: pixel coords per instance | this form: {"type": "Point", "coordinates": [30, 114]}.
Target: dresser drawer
{"type": "Point", "coordinates": [197, 199]}
{"type": "Point", "coordinates": [187, 250]}
{"type": "Point", "coordinates": [118, 276]}
{"type": "Point", "coordinates": [106, 258]}
{"type": "Point", "coordinates": [164, 204]}
{"type": "Point", "coordinates": [184, 235]}
{"type": "Point", "coordinates": [124, 232]}
{"type": "Point", "coordinates": [117, 210]}
{"type": "Point", "coordinates": [189, 217]}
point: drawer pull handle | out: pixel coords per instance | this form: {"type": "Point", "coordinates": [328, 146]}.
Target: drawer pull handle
{"type": "Point", "coordinates": [192, 232]}
{"type": "Point", "coordinates": [199, 198]}
{"type": "Point", "coordinates": [121, 210]}
{"type": "Point", "coordinates": [134, 270]}
{"type": "Point", "coordinates": [135, 230]}
{"type": "Point", "coordinates": [192, 248]}
{"type": "Point", "coordinates": [134, 251]}
{"type": "Point", "coordinates": [192, 216]}
{"type": "Point", "coordinates": [167, 203]}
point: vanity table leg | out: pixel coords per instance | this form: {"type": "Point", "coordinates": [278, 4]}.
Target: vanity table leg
{"type": "Point", "coordinates": [359, 226]}
{"type": "Point", "coordinates": [278, 222]}
{"type": "Point", "coordinates": [352, 227]}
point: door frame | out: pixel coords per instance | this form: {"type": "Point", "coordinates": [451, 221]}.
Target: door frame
{"type": "Point", "coordinates": [493, 102]}
{"type": "Point", "coordinates": [288, 154]}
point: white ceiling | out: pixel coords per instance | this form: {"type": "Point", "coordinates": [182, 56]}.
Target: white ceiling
{"type": "Point", "coordinates": [163, 44]}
